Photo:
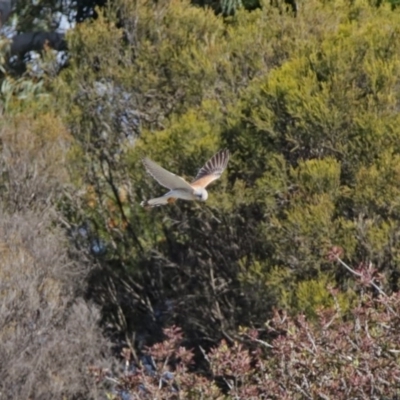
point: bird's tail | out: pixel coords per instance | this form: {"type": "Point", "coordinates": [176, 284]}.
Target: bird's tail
{"type": "Point", "coordinates": [158, 201]}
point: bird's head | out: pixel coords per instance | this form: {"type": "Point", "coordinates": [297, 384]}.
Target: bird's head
{"type": "Point", "coordinates": [201, 195]}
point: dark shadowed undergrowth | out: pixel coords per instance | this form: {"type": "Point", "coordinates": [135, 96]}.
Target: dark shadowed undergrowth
{"type": "Point", "coordinates": [335, 355]}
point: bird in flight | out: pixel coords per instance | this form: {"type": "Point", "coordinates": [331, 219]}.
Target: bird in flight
{"type": "Point", "coordinates": [178, 187]}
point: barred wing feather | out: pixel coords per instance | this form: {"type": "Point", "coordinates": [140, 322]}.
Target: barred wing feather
{"type": "Point", "coordinates": [212, 169]}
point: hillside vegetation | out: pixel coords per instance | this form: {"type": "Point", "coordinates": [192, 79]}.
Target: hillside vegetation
{"type": "Point", "coordinates": [285, 283]}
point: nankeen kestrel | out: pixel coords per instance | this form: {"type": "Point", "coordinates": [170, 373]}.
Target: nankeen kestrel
{"type": "Point", "coordinates": [179, 188]}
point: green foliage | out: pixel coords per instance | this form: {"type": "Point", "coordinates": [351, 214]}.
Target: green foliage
{"type": "Point", "coordinates": [308, 106]}
{"type": "Point", "coordinates": [315, 294]}
{"type": "Point", "coordinates": [330, 111]}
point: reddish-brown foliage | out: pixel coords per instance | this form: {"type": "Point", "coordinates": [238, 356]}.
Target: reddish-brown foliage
{"type": "Point", "coordinates": [336, 356]}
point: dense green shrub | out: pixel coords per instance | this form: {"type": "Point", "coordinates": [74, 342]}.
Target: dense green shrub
{"type": "Point", "coordinates": [308, 107]}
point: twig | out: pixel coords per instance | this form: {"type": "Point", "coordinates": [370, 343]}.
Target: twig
{"type": "Point", "coordinates": [371, 281]}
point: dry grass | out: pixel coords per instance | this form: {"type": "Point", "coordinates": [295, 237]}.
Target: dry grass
{"type": "Point", "coordinates": [48, 335]}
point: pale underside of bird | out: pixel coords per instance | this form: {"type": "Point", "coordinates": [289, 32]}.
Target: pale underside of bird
{"type": "Point", "coordinates": [181, 189]}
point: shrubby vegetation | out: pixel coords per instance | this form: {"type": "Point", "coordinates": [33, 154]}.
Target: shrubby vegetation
{"type": "Point", "coordinates": [333, 357]}
{"type": "Point", "coordinates": [284, 284]}
{"type": "Point", "coordinates": [49, 333]}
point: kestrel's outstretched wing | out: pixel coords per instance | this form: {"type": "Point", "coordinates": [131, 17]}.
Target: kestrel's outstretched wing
{"type": "Point", "coordinates": [212, 169]}
{"type": "Point", "coordinates": [164, 177]}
